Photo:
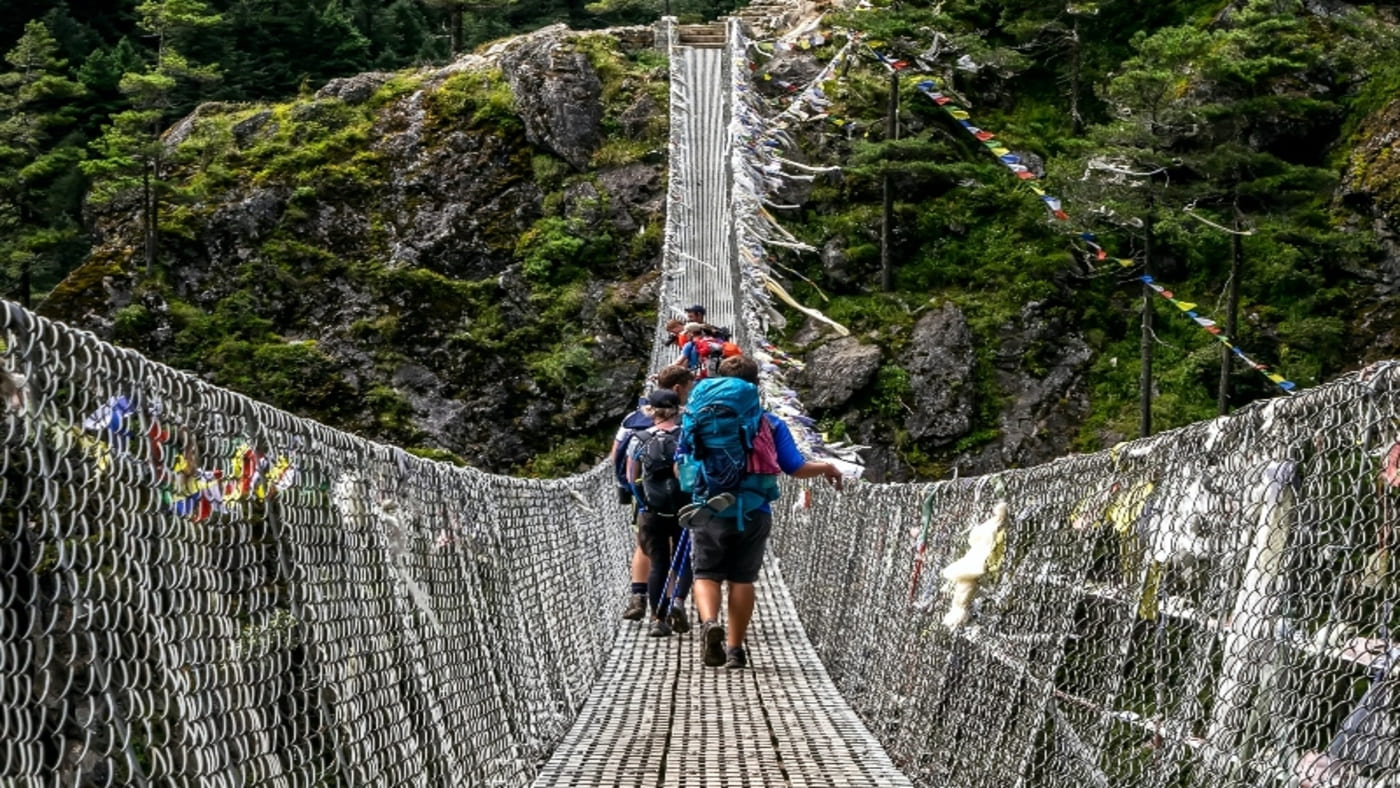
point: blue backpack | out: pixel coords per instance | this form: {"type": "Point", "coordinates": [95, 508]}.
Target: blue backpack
{"type": "Point", "coordinates": [723, 416]}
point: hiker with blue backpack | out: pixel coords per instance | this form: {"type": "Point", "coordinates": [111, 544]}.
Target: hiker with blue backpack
{"type": "Point", "coordinates": [675, 379]}
{"type": "Point", "coordinates": [653, 472]}
{"type": "Point", "coordinates": [729, 456]}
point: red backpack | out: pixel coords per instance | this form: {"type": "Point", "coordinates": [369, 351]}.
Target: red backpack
{"type": "Point", "coordinates": [711, 352]}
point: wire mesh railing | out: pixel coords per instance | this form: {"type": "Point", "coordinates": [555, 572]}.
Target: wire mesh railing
{"type": "Point", "coordinates": [197, 589]}
{"type": "Point", "coordinates": [1213, 606]}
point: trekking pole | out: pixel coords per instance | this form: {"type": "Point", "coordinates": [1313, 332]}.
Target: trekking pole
{"type": "Point", "coordinates": [682, 545]}
{"type": "Point", "coordinates": [673, 577]}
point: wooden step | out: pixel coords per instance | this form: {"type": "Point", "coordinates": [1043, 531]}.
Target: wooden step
{"type": "Point", "coordinates": [706, 36]}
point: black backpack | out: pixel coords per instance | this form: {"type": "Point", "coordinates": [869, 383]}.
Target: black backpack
{"type": "Point", "coordinates": [634, 423]}
{"type": "Point", "coordinates": [655, 451]}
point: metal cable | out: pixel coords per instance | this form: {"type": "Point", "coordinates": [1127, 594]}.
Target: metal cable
{"type": "Point", "coordinates": [197, 589]}
{"type": "Point", "coordinates": [1211, 606]}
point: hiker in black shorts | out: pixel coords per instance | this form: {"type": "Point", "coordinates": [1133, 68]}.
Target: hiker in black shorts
{"type": "Point", "coordinates": [652, 469]}
{"type": "Point", "coordinates": [679, 380]}
{"type": "Point", "coordinates": [721, 552]}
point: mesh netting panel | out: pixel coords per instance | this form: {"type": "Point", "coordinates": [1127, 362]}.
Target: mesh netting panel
{"type": "Point", "coordinates": [198, 589]}
{"type": "Point", "coordinates": [1211, 606]}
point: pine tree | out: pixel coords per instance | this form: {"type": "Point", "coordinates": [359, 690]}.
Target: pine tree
{"type": "Point", "coordinates": [36, 105]}
{"type": "Point", "coordinates": [456, 15]}
{"type": "Point", "coordinates": [132, 155]}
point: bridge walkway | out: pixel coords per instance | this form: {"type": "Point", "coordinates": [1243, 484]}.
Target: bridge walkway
{"type": "Point", "coordinates": [656, 715]}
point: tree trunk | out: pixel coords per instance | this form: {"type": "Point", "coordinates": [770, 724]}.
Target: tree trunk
{"type": "Point", "coordinates": [1232, 308]}
{"type": "Point", "coordinates": [1145, 346]}
{"type": "Point", "coordinates": [27, 266]}
{"type": "Point", "coordinates": [887, 208]}
{"type": "Point", "coordinates": [1075, 67]}
{"type": "Point", "coordinates": [147, 220]}
{"type": "Point", "coordinates": [454, 25]}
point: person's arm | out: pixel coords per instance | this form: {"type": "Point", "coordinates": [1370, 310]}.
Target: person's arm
{"type": "Point", "coordinates": [790, 458]}
{"type": "Point", "coordinates": [814, 468]}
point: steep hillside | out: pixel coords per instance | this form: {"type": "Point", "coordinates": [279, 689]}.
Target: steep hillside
{"type": "Point", "coordinates": [460, 259]}
{"type": "Point", "coordinates": [456, 260]}
{"type": "Point", "coordinates": [1179, 139]}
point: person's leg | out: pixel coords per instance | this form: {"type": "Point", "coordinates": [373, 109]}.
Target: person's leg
{"type": "Point", "coordinates": [657, 544]}
{"type": "Point", "coordinates": [707, 596]}
{"type": "Point", "coordinates": [679, 542]}
{"type": "Point", "coordinates": [708, 551]}
{"type": "Point", "coordinates": [637, 598]}
{"type": "Point", "coordinates": [641, 563]}
{"type": "Point", "coordinates": [741, 602]}
{"type": "Point", "coordinates": [745, 562]}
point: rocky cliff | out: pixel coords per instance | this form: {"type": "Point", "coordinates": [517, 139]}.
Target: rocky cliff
{"type": "Point", "coordinates": [458, 260]}
{"type": "Point", "coordinates": [461, 260]}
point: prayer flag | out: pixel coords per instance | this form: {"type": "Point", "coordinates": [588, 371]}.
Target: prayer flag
{"type": "Point", "coordinates": [1185, 306]}
{"type": "Point", "coordinates": [983, 135]}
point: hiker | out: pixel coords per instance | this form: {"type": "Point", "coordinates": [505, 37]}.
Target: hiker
{"type": "Point", "coordinates": [729, 530]}
{"type": "Point", "coordinates": [652, 469]}
{"type": "Point", "coordinates": [701, 353]}
{"type": "Point", "coordinates": [675, 333]}
{"type": "Point", "coordinates": [679, 380]}
{"type": "Point", "coordinates": [695, 313]}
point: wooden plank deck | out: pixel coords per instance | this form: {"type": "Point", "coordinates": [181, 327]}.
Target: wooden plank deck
{"type": "Point", "coordinates": [658, 717]}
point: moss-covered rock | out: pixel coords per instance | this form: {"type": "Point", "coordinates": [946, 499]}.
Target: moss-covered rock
{"type": "Point", "coordinates": [385, 257]}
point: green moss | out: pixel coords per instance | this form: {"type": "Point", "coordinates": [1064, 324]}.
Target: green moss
{"type": "Point", "coordinates": [392, 413]}
{"type": "Point", "coordinates": [892, 392]}
{"type": "Point", "coordinates": [474, 98]}
{"type": "Point", "coordinates": [131, 323]}
{"type": "Point", "coordinates": [564, 368]}
{"type": "Point", "coordinates": [568, 456]}
{"type": "Point", "coordinates": [558, 250]}
{"type": "Point", "coordinates": [616, 152]}
{"type": "Point", "coordinates": [437, 455]}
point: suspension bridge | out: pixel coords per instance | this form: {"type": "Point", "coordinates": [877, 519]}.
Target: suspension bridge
{"type": "Point", "coordinates": [197, 589]}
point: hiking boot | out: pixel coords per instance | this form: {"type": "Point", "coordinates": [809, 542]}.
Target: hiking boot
{"type": "Point", "coordinates": [735, 657]}
{"type": "Point", "coordinates": [636, 608]}
{"type": "Point", "coordinates": [679, 623]}
{"type": "Point", "coordinates": [659, 629]}
{"type": "Point", "coordinates": [712, 644]}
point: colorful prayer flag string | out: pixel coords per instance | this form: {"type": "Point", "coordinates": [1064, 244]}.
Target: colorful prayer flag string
{"type": "Point", "coordinates": [1013, 162]}
{"type": "Point", "coordinates": [1209, 326]}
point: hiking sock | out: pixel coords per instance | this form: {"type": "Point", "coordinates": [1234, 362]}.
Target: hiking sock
{"type": "Point", "coordinates": [639, 588]}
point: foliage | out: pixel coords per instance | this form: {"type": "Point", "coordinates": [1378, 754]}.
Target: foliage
{"type": "Point", "coordinates": [37, 158]}
{"type": "Point", "coordinates": [1236, 108]}
{"type": "Point", "coordinates": [1249, 109]}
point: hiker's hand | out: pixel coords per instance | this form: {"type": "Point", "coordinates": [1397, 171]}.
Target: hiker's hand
{"type": "Point", "coordinates": [832, 474]}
